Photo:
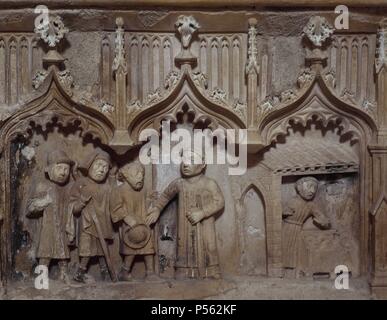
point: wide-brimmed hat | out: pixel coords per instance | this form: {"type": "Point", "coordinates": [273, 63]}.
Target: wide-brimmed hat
{"type": "Point", "coordinates": [137, 236]}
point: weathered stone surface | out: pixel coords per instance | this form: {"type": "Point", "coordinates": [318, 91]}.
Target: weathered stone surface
{"type": "Point", "coordinates": [75, 99]}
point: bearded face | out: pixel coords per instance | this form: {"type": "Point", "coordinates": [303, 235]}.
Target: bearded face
{"type": "Point", "coordinates": [135, 177]}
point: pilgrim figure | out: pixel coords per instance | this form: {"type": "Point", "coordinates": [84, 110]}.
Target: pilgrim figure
{"type": "Point", "coordinates": [49, 201]}
{"type": "Point", "coordinates": [89, 197]}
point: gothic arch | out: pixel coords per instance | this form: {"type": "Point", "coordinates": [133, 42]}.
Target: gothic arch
{"type": "Point", "coordinates": [184, 92]}
{"type": "Point", "coordinates": [51, 106]}
{"type": "Point", "coordinates": [317, 102]}
{"type": "Point", "coordinates": [264, 195]}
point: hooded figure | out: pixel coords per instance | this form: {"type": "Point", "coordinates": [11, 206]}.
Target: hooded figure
{"type": "Point", "coordinates": [49, 200]}
{"type": "Point", "coordinates": [298, 210]}
{"type": "Point", "coordinates": [90, 194]}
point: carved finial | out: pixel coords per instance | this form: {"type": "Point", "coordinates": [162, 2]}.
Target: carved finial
{"type": "Point", "coordinates": [51, 31]}
{"type": "Point", "coordinates": [119, 58]}
{"type": "Point", "coordinates": [252, 53]}
{"type": "Point", "coordinates": [381, 49]}
{"type": "Point", "coordinates": [186, 26]}
{"type": "Point", "coordinates": [318, 30]}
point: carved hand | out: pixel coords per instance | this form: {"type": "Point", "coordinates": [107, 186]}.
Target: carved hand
{"type": "Point", "coordinates": [288, 212]}
{"type": "Point", "coordinates": [85, 200]}
{"type": "Point", "coordinates": [195, 217]}
{"type": "Point", "coordinates": [42, 203]}
{"type": "Point", "coordinates": [71, 240]}
{"type": "Point", "coordinates": [152, 217]}
{"type": "Point", "coordinates": [130, 220]}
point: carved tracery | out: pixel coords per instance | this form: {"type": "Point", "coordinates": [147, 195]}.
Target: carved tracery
{"type": "Point", "coordinates": [321, 133]}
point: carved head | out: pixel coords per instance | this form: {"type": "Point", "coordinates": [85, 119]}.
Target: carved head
{"type": "Point", "coordinates": [98, 166]}
{"type": "Point", "coordinates": [134, 174]}
{"type": "Point", "coordinates": [192, 164]}
{"type": "Point", "coordinates": [58, 167]}
{"type": "Point", "coordinates": [307, 187]}
{"type": "Point", "coordinates": [186, 26]}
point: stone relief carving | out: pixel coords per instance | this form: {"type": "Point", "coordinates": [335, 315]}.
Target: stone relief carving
{"type": "Point", "coordinates": [119, 58]}
{"type": "Point", "coordinates": [240, 109]}
{"type": "Point", "coordinates": [154, 97]}
{"type": "Point", "coordinates": [89, 197]}
{"type": "Point", "coordinates": [200, 198]}
{"type": "Point", "coordinates": [107, 108]}
{"type": "Point", "coordinates": [51, 31]}
{"type": "Point", "coordinates": [200, 80]}
{"type": "Point", "coordinates": [150, 18]}
{"type": "Point", "coordinates": [381, 50]}
{"type": "Point", "coordinates": [39, 78]}
{"type": "Point", "coordinates": [129, 206]}
{"type": "Point", "coordinates": [49, 200]}
{"type": "Point", "coordinates": [318, 30]}
{"type": "Point", "coordinates": [218, 95]}
{"type": "Point", "coordinates": [110, 211]}
{"type": "Point", "coordinates": [252, 53]}
{"type": "Point", "coordinates": [171, 80]}
{"type": "Point", "coordinates": [287, 96]}
{"type": "Point", "coordinates": [67, 81]}
{"type": "Point", "coordinates": [187, 26]}
{"type": "Point", "coordinates": [305, 77]}
{"type": "Point", "coordinates": [296, 212]}
{"type": "Point", "coordinates": [330, 79]}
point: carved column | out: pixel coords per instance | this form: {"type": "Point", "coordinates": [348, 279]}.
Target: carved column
{"type": "Point", "coordinates": [121, 141]}
{"type": "Point", "coordinates": [379, 168]}
{"type": "Point", "coordinates": [254, 142]}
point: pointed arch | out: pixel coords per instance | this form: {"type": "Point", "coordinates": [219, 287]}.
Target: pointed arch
{"type": "Point", "coordinates": [55, 104]}
{"type": "Point", "coordinates": [185, 92]}
{"type": "Point", "coordinates": [52, 107]}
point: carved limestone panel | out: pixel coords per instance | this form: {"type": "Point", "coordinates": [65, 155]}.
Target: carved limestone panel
{"type": "Point", "coordinates": [79, 93]}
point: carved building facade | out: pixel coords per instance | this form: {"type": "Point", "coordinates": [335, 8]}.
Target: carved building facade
{"type": "Point", "coordinates": [90, 79]}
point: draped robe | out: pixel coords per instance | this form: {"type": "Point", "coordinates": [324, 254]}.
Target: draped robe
{"type": "Point", "coordinates": [126, 201]}
{"type": "Point", "coordinates": [52, 240]}
{"type": "Point", "coordinates": [89, 243]}
{"type": "Point", "coordinates": [197, 254]}
{"type": "Point", "coordinates": [297, 212]}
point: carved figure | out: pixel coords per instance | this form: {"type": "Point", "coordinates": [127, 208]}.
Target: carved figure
{"type": "Point", "coordinates": [90, 197]}
{"type": "Point", "coordinates": [49, 200]}
{"type": "Point", "coordinates": [298, 210]}
{"type": "Point", "coordinates": [128, 205]}
{"type": "Point", "coordinates": [200, 198]}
